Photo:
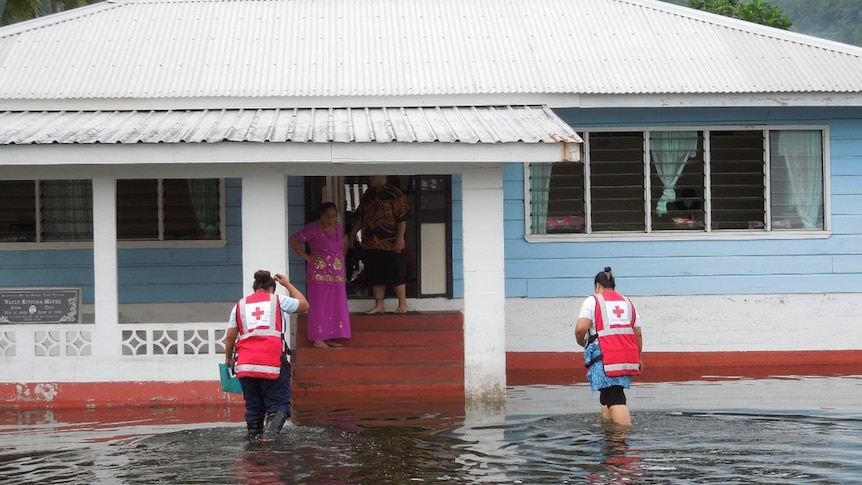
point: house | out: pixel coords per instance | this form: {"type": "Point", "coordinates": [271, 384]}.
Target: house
{"type": "Point", "coordinates": [154, 154]}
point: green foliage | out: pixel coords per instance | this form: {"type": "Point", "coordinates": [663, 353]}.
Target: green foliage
{"type": "Point", "coordinates": [12, 11]}
{"type": "Point", "coordinates": [757, 11]}
{"type": "Point", "coordinates": [838, 20]}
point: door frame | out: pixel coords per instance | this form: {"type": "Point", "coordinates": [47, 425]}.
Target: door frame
{"type": "Point", "coordinates": [421, 191]}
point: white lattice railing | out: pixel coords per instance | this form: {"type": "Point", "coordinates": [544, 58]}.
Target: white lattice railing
{"type": "Point", "coordinates": [7, 343]}
{"type": "Point", "coordinates": [127, 352]}
{"type": "Point", "coordinates": [119, 352]}
{"type": "Point", "coordinates": [135, 340]}
{"type": "Point", "coordinates": [173, 341]}
{"type": "Point", "coordinates": [58, 343]}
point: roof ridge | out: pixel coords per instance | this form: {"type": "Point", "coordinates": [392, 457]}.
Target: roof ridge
{"type": "Point", "coordinates": [745, 26]}
{"type": "Point", "coordinates": [658, 5]}
{"type": "Point", "coordinates": [136, 50]}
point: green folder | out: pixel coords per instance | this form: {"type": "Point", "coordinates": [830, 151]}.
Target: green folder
{"type": "Point", "coordinates": [229, 380]}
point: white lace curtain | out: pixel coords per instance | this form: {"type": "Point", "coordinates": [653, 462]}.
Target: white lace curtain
{"type": "Point", "coordinates": [540, 184]}
{"type": "Point", "coordinates": [670, 151]}
{"type": "Point", "coordinates": [802, 151]}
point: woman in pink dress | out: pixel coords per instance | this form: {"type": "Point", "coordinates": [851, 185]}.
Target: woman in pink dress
{"type": "Point", "coordinates": [326, 291]}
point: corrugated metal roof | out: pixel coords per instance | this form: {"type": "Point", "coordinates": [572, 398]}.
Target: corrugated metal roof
{"type": "Point", "coordinates": [208, 49]}
{"type": "Point", "coordinates": [505, 124]}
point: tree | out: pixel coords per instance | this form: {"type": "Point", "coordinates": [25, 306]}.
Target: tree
{"type": "Point", "coordinates": [12, 11]}
{"type": "Point", "coordinates": [839, 20]}
{"type": "Point", "coordinates": [757, 11]}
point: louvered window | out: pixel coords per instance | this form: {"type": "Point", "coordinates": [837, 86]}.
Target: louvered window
{"type": "Point", "coordinates": [168, 209]}
{"type": "Point", "coordinates": [17, 211]}
{"type": "Point", "coordinates": [689, 181]}
{"type": "Point", "coordinates": [48, 210]}
{"type": "Point", "coordinates": [147, 210]}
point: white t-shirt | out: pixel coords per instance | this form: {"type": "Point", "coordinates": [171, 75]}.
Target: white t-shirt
{"type": "Point", "coordinates": [588, 310]}
{"type": "Point", "coordinates": [288, 305]}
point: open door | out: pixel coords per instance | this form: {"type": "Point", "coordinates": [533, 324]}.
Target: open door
{"type": "Point", "coordinates": [428, 255]}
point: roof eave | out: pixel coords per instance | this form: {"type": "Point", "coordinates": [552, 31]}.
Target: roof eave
{"type": "Point", "coordinates": [553, 100]}
{"type": "Point", "coordinates": [302, 158]}
{"type": "Point", "coordinates": [714, 100]}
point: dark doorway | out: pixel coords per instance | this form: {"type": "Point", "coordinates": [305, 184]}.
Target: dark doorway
{"type": "Point", "coordinates": [428, 253]}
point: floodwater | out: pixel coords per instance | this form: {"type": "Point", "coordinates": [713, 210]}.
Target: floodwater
{"type": "Point", "coordinates": [772, 431]}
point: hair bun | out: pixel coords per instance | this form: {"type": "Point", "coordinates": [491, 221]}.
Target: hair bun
{"type": "Point", "coordinates": [607, 269]}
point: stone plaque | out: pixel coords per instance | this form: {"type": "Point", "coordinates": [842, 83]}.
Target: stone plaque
{"type": "Point", "coordinates": [40, 305]}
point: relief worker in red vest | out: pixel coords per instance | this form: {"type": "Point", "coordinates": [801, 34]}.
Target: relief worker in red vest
{"type": "Point", "coordinates": [256, 330]}
{"type": "Point", "coordinates": [609, 329]}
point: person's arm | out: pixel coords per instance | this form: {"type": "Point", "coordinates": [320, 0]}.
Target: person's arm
{"type": "Point", "coordinates": [581, 329]}
{"type": "Point", "coordinates": [357, 221]}
{"type": "Point", "coordinates": [636, 327]}
{"type": "Point", "coordinates": [402, 214]}
{"type": "Point", "coordinates": [293, 292]}
{"type": "Point", "coordinates": [351, 235]}
{"type": "Point", "coordinates": [345, 247]}
{"type": "Point", "coordinates": [229, 343]}
{"type": "Point", "coordinates": [399, 240]}
{"type": "Point", "coordinates": [299, 248]}
{"type": "Point", "coordinates": [345, 239]}
{"type": "Point", "coordinates": [585, 321]}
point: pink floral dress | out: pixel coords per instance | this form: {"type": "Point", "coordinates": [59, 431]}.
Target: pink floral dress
{"type": "Point", "coordinates": [328, 314]}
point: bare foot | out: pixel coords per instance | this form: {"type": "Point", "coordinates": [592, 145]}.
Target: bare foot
{"type": "Point", "coordinates": [376, 309]}
{"type": "Point", "coordinates": [320, 344]}
{"type": "Point", "coordinates": [401, 309]}
{"type": "Point", "coordinates": [333, 343]}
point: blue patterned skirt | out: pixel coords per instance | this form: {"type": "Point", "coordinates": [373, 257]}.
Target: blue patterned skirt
{"type": "Point", "coordinates": [596, 373]}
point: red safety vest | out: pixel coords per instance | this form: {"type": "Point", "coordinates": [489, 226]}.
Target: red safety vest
{"type": "Point", "coordinates": [260, 344]}
{"type": "Point", "coordinates": [615, 321]}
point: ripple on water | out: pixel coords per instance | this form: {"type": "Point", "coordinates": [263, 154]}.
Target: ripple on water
{"type": "Point", "coordinates": [742, 446]}
{"type": "Point", "coordinates": [578, 448]}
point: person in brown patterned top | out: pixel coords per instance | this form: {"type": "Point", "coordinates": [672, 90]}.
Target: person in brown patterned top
{"type": "Point", "coordinates": [382, 216]}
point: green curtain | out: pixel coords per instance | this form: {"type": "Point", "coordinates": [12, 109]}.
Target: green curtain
{"type": "Point", "coordinates": [204, 196]}
{"type": "Point", "coordinates": [540, 184]}
{"type": "Point", "coordinates": [67, 210]}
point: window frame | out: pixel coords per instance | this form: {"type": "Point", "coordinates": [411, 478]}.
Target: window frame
{"type": "Point", "coordinates": [708, 233]}
{"type": "Point", "coordinates": [130, 243]}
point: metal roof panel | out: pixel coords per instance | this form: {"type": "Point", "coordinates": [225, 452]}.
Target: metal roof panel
{"type": "Point", "coordinates": [485, 124]}
{"type": "Point", "coordinates": [211, 49]}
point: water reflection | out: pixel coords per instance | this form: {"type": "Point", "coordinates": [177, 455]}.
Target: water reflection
{"type": "Point", "coordinates": [547, 435]}
{"type": "Point", "coordinates": [302, 454]}
{"type": "Point", "coordinates": [619, 462]}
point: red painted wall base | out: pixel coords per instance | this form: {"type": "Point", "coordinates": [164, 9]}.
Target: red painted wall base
{"type": "Point", "coordinates": [523, 368]}
{"type": "Point", "coordinates": [113, 394]}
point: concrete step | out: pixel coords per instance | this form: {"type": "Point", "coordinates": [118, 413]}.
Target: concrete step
{"type": "Point", "coordinates": [413, 353]}
{"type": "Point", "coordinates": [398, 353]}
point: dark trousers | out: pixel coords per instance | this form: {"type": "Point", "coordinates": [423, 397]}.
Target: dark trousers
{"type": "Point", "coordinates": [265, 396]}
{"type": "Point", "coordinates": [383, 267]}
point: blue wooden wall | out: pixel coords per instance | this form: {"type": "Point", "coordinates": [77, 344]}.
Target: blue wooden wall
{"type": "Point", "coordinates": [55, 269]}
{"type": "Point", "coordinates": [295, 222]}
{"type": "Point", "coordinates": [187, 275]}
{"type": "Point", "coordinates": [704, 266]}
{"type": "Point", "coordinates": [458, 237]}
{"type": "Point", "coordinates": [647, 267]}
{"type": "Point", "coordinates": [145, 275]}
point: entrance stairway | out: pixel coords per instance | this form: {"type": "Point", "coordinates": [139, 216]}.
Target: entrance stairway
{"type": "Point", "coordinates": [416, 354]}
